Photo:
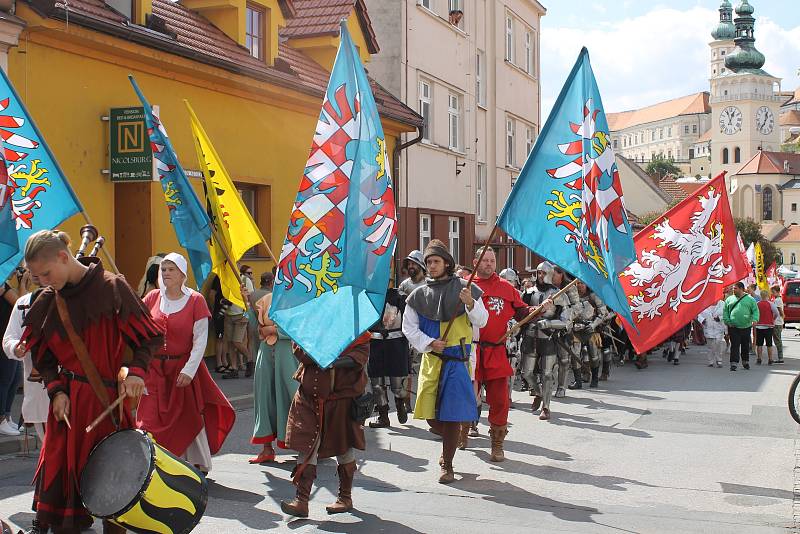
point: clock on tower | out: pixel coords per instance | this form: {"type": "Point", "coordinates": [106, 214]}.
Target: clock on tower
{"type": "Point", "coordinates": [765, 120]}
{"type": "Point", "coordinates": [730, 120]}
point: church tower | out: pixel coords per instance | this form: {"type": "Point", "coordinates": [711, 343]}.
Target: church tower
{"type": "Point", "coordinates": [744, 101]}
{"type": "Point", "coordinates": [723, 36]}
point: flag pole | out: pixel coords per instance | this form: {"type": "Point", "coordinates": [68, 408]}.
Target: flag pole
{"type": "Point", "coordinates": [472, 275]}
{"type": "Point", "coordinates": [228, 259]}
{"type": "Point", "coordinates": [536, 311]}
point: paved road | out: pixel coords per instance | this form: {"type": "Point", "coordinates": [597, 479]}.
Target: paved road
{"type": "Point", "coordinates": [667, 449]}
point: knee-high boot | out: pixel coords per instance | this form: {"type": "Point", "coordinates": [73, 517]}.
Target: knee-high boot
{"type": "Point", "coordinates": [450, 432]}
{"type": "Point", "coordinates": [298, 507]}
{"type": "Point", "coordinates": [344, 502]}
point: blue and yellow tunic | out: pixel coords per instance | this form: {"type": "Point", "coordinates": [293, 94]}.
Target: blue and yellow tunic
{"type": "Point", "coordinates": [444, 389]}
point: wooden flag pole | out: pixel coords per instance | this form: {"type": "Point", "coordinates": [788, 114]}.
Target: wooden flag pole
{"type": "Point", "coordinates": [228, 260]}
{"type": "Point", "coordinates": [536, 311]}
{"type": "Point", "coordinates": [472, 276]}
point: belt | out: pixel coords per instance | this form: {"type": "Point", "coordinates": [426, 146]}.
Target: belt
{"type": "Point", "coordinates": [165, 357]}
{"type": "Point", "coordinates": [447, 357]}
{"type": "Point", "coordinates": [80, 378]}
{"type": "Point", "coordinates": [489, 344]}
{"type": "Point", "coordinates": [395, 334]}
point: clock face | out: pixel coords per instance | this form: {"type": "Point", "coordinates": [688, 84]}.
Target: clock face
{"type": "Point", "coordinates": [730, 120]}
{"type": "Point", "coordinates": [765, 120]}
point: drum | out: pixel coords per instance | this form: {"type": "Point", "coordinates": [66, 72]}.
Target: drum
{"type": "Point", "coordinates": [132, 481]}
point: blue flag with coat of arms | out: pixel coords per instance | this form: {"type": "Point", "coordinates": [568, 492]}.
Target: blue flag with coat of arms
{"type": "Point", "coordinates": [333, 272]}
{"type": "Point", "coordinates": [35, 192]}
{"type": "Point", "coordinates": [567, 204]}
{"type": "Point", "coordinates": [188, 216]}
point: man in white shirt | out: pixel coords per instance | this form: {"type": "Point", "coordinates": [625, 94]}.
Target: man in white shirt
{"type": "Point", "coordinates": [714, 330]}
{"type": "Point", "coordinates": [777, 330]}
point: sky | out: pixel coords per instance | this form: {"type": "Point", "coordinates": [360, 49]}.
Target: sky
{"type": "Point", "coordinates": [644, 52]}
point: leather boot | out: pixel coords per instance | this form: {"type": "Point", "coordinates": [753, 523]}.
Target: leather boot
{"type": "Point", "coordinates": [498, 434]}
{"type": "Point", "coordinates": [585, 372]}
{"type": "Point", "coordinates": [447, 475]}
{"type": "Point", "coordinates": [462, 436]}
{"type": "Point", "coordinates": [604, 374]}
{"type": "Point", "coordinates": [402, 413]}
{"type": "Point", "coordinates": [298, 507]}
{"type": "Point", "coordinates": [595, 377]}
{"type": "Point", "coordinates": [537, 402]}
{"type": "Point", "coordinates": [344, 502]}
{"type": "Point", "coordinates": [578, 382]}
{"type": "Point", "coordinates": [383, 418]}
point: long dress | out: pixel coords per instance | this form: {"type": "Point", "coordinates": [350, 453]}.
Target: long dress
{"type": "Point", "coordinates": [274, 385]}
{"type": "Point", "coordinates": [191, 421]}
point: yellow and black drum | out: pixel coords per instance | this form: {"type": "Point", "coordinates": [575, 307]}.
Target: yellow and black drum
{"type": "Point", "coordinates": [132, 481]}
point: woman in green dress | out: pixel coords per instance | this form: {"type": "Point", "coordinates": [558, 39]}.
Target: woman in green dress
{"type": "Point", "coordinates": [274, 387]}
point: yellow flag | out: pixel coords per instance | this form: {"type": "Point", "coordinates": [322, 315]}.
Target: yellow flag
{"type": "Point", "coordinates": [761, 275]}
{"type": "Point", "coordinates": [235, 226]}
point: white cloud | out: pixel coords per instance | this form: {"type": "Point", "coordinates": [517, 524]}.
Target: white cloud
{"type": "Point", "coordinates": [660, 55]}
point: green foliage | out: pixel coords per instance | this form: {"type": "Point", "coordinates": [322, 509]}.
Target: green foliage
{"type": "Point", "coordinates": [651, 216]}
{"type": "Point", "coordinates": [750, 231]}
{"type": "Point", "coordinates": [660, 167]}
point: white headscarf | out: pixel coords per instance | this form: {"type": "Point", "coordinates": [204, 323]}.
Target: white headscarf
{"type": "Point", "coordinates": [180, 263]}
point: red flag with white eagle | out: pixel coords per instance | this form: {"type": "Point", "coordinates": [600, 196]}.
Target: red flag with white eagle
{"type": "Point", "coordinates": [684, 260]}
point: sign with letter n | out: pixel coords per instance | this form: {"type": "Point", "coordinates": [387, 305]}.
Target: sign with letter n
{"type": "Point", "coordinates": [131, 158]}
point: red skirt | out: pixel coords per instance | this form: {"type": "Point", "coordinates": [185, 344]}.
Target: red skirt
{"type": "Point", "coordinates": [176, 415]}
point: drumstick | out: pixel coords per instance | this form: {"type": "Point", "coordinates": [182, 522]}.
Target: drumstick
{"type": "Point", "coordinates": [105, 413]}
{"type": "Point", "coordinates": [66, 420]}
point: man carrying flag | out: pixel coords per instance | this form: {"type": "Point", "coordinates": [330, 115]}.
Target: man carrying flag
{"type": "Point", "coordinates": [567, 204]}
{"type": "Point", "coordinates": [189, 220]}
{"type": "Point", "coordinates": [333, 273]}
{"type": "Point", "coordinates": [686, 257]}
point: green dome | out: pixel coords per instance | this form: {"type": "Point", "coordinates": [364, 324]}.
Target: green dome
{"type": "Point", "coordinates": [744, 58]}
{"type": "Point", "coordinates": [724, 31]}
{"type": "Point", "coordinates": [744, 8]}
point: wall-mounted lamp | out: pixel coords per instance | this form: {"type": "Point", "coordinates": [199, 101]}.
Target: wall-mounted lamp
{"type": "Point", "coordinates": [458, 171]}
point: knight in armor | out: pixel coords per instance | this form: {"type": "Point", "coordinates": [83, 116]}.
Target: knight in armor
{"type": "Point", "coordinates": [414, 266]}
{"type": "Point", "coordinates": [588, 316]}
{"type": "Point", "coordinates": [564, 345]}
{"type": "Point", "coordinates": [539, 348]}
{"type": "Point", "coordinates": [388, 364]}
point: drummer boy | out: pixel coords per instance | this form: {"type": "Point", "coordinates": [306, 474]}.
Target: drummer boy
{"type": "Point", "coordinates": [77, 330]}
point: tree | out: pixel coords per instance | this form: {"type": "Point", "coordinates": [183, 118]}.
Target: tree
{"type": "Point", "coordinates": [659, 167]}
{"type": "Point", "coordinates": [647, 218]}
{"type": "Point", "coordinates": [750, 231]}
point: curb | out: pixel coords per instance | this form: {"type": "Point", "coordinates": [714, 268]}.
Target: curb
{"type": "Point", "coordinates": [17, 444]}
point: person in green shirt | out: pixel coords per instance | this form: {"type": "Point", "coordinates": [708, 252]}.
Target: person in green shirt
{"type": "Point", "coordinates": [740, 314]}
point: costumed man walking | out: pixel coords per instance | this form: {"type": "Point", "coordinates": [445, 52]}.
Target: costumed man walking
{"type": "Point", "coordinates": [563, 345]}
{"type": "Point", "coordinates": [592, 313]}
{"type": "Point", "coordinates": [445, 397]}
{"type": "Point", "coordinates": [539, 349]}
{"type": "Point", "coordinates": [493, 368]}
{"type": "Point", "coordinates": [388, 360]}
{"type": "Point", "coordinates": [414, 265]}
{"type": "Point", "coordinates": [321, 423]}
{"type": "Point", "coordinates": [76, 331]}
{"type": "Point", "coordinates": [184, 408]}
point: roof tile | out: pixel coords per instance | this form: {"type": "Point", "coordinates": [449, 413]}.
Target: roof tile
{"type": "Point", "coordinates": [764, 162]}
{"type": "Point", "coordinates": [321, 17]}
{"type": "Point", "coordinates": [685, 105]}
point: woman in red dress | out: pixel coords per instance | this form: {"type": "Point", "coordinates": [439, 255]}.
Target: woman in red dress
{"type": "Point", "coordinates": [184, 408]}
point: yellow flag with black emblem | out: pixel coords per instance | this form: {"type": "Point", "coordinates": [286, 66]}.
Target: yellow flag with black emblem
{"type": "Point", "coordinates": [235, 226]}
{"type": "Point", "coordinates": [761, 270]}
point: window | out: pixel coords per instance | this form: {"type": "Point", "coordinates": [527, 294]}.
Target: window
{"type": "Point", "coordinates": [528, 260]}
{"type": "Point", "coordinates": [425, 3]}
{"type": "Point", "coordinates": [794, 206]}
{"type": "Point", "coordinates": [794, 288]}
{"type": "Point", "coordinates": [454, 116]}
{"type": "Point", "coordinates": [425, 109]}
{"type": "Point", "coordinates": [615, 143]}
{"type": "Point", "coordinates": [254, 31]}
{"type": "Point", "coordinates": [669, 154]}
{"type": "Point", "coordinates": [722, 53]}
{"type": "Point", "coordinates": [509, 39]}
{"type": "Point", "coordinates": [510, 254]}
{"type": "Point", "coordinates": [530, 140]}
{"type": "Point", "coordinates": [724, 156]}
{"type": "Point", "coordinates": [123, 6]}
{"type": "Point", "coordinates": [480, 193]}
{"type": "Point", "coordinates": [455, 237]}
{"type": "Point", "coordinates": [669, 131]}
{"type": "Point", "coordinates": [254, 196]}
{"type": "Point", "coordinates": [686, 129]}
{"type": "Point", "coordinates": [424, 231]}
{"type": "Point", "coordinates": [510, 141]}
{"type": "Point", "coordinates": [456, 13]}
{"type": "Point", "coordinates": [529, 52]}
{"type": "Point", "coordinates": [694, 128]}
{"type": "Point", "coordinates": [766, 204]}
{"type": "Point", "coordinates": [661, 133]}
{"type": "Point", "coordinates": [480, 82]}
{"type": "Point", "coordinates": [737, 155]}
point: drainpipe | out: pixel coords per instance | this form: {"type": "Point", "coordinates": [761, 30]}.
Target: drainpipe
{"type": "Point", "coordinates": [396, 172]}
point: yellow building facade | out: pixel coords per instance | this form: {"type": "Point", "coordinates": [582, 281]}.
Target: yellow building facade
{"type": "Point", "coordinates": [72, 66]}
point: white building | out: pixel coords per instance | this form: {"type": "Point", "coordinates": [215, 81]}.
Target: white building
{"type": "Point", "coordinates": [471, 69]}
